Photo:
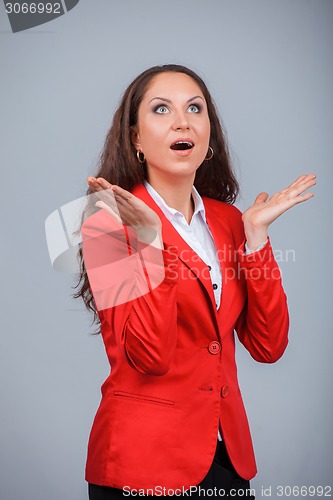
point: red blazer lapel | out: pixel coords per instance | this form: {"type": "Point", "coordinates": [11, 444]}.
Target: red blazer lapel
{"type": "Point", "coordinates": [222, 236]}
{"type": "Point", "coordinates": [233, 286]}
{"type": "Point", "coordinates": [185, 253]}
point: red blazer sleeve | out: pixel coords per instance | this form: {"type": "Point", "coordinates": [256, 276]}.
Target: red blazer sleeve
{"type": "Point", "coordinates": [264, 322]}
{"type": "Point", "coordinates": [134, 288]}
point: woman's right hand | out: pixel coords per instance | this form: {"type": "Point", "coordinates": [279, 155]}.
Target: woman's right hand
{"type": "Point", "coordinates": [129, 210]}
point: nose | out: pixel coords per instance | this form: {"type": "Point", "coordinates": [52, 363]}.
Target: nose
{"type": "Point", "coordinates": [181, 121]}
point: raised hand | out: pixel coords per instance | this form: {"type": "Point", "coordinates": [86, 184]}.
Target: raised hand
{"type": "Point", "coordinates": [129, 210]}
{"type": "Point", "coordinates": [267, 209]}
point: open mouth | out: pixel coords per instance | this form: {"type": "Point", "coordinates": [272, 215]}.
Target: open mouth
{"type": "Point", "coordinates": [182, 145]}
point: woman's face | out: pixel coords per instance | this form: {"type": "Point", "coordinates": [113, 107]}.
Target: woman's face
{"type": "Point", "coordinates": [173, 128]}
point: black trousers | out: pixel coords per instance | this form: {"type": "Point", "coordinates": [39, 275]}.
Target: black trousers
{"type": "Point", "coordinates": [221, 481]}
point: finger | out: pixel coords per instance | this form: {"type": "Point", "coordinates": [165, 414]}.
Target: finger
{"type": "Point", "coordinates": [306, 180]}
{"type": "Point", "coordinates": [119, 199]}
{"type": "Point", "coordinates": [291, 202]}
{"type": "Point", "coordinates": [107, 198]}
{"type": "Point", "coordinates": [104, 183]}
{"type": "Point", "coordinates": [127, 200]}
{"type": "Point", "coordinates": [116, 203]}
{"type": "Point", "coordinates": [123, 193]}
{"type": "Point", "coordinates": [106, 195]}
{"type": "Point", "coordinates": [261, 198]}
{"type": "Point", "coordinates": [98, 184]}
{"type": "Point", "coordinates": [107, 192]}
{"type": "Point", "coordinates": [304, 197]}
{"type": "Point", "coordinates": [302, 180]}
{"type": "Point", "coordinates": [103, 188]}
{"type": "Point", "coordinates": [296, 181]}
{"type": "Point", "coordinates": [93, 184]}
{"type": "Point", "coordinates": [108, 209]}
{"type": "Point", "coordinates": [110, 200]}
{"type": "Point", "coordinates": [297, 190]}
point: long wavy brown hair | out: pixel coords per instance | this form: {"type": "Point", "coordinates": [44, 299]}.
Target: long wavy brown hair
{"type": "Point", "coordinates": [119, 165]}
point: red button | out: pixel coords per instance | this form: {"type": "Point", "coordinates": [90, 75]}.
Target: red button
{"type": "Point", "coordinates": [214, 347]}
{"type": "Point", "coordinates": [224, 391]}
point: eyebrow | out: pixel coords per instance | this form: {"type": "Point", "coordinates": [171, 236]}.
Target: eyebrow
{"type": "Point", "coordinates": [168, 100]}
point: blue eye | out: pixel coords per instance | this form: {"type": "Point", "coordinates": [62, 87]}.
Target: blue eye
{"type": "Point", "coordinates": [195, 108]}
{"type": "Point", "coordinates": [161, 109]}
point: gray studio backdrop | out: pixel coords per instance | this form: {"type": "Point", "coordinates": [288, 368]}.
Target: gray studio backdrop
{"type": "Point", "coordinates": [268, 64]}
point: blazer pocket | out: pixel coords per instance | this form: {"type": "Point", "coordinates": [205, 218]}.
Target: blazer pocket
{"type": "Point", "coordinates": [144, 398]}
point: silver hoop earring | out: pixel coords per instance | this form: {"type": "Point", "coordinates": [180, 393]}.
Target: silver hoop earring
{"type": "Point", "coordinates": [140, 156]}
{"type": "Point", "coordinates": [211, 153]}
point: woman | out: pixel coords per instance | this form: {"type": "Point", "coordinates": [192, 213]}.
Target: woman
{"type": "Point", "coordinates": [171, 269]}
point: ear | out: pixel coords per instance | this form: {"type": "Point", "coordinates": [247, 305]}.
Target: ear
{"type": "Point", "coordinates": [135, 138]}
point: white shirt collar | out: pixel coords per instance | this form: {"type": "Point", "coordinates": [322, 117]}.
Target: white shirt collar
{"type": "Point", "coordinates": [170, 212]}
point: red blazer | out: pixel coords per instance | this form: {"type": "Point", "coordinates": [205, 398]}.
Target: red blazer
{"type": "Point", "coordinates": [173, 374]}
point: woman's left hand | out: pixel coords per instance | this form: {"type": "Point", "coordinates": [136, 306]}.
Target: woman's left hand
{"type": "Point", "coordinates": [265, 210]}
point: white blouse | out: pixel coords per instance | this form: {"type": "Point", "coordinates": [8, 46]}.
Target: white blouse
{"type": "Point", "coordinates": [198, 236]}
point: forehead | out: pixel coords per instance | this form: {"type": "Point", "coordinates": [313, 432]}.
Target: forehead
{"type": "Point", "coordinates": [172, 86]}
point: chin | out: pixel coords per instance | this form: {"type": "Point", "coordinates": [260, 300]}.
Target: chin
{"type": "Point", "coordinates": [176, 167]}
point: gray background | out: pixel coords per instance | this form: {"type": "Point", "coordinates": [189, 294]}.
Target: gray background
{"type": "Point", "coordinates": [268, 63]}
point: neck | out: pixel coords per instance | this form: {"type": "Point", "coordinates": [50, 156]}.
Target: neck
{"type": "Point", "coordinates": [177, 194]}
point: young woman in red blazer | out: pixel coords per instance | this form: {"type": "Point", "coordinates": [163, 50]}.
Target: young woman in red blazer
{"type": "Point", "coordinates": [171, 270]}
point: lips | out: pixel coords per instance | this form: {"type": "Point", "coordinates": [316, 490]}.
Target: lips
{"type": "Point", "coordinates": [182, 145]}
